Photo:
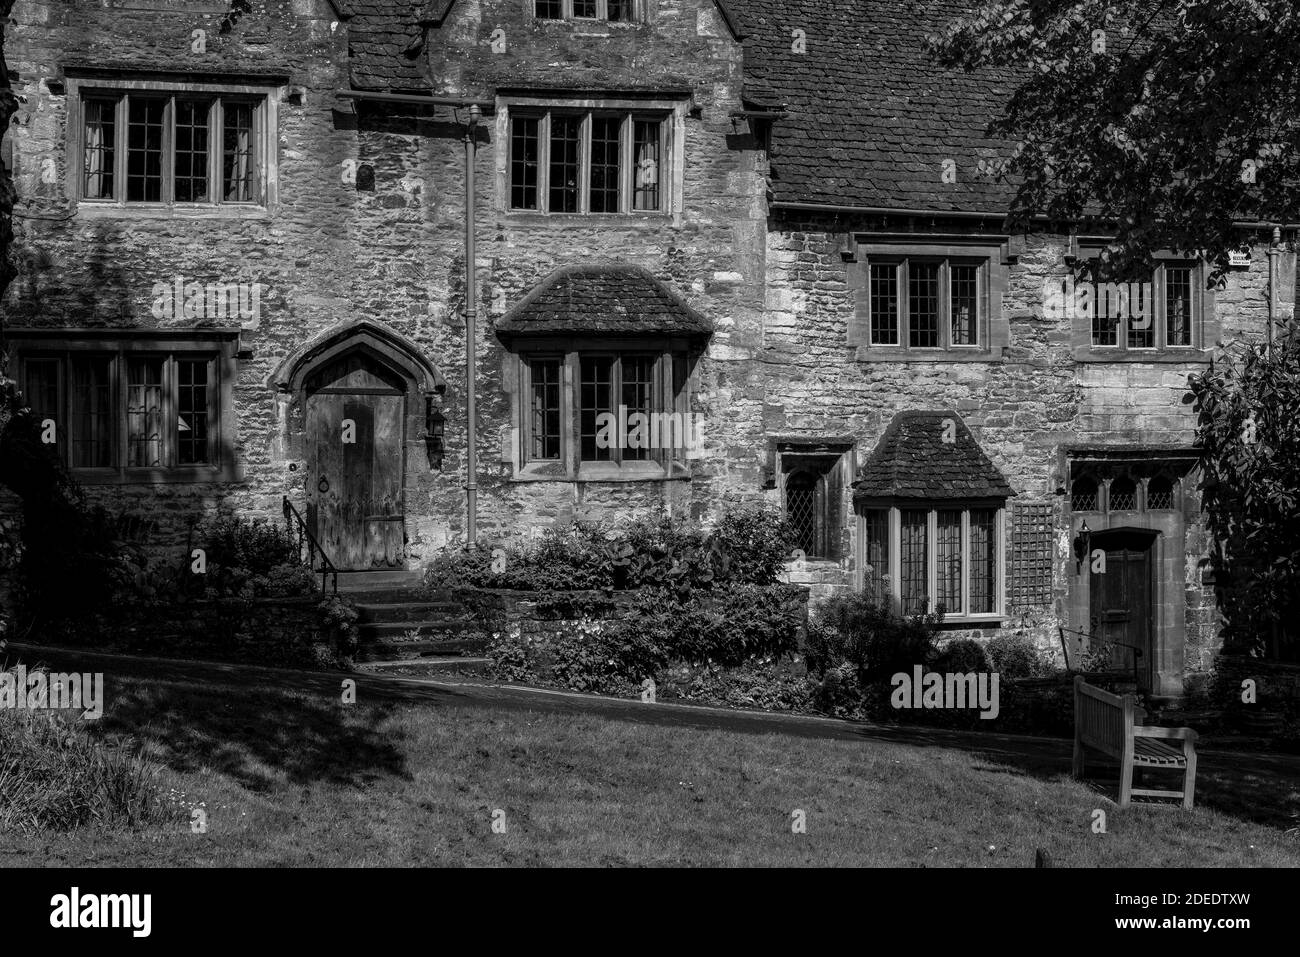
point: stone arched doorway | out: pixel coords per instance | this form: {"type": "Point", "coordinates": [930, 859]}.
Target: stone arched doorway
{"type": "Point", "coordinates": [354, 413]}
{"type": "Point", "coordinates": [353, 440]}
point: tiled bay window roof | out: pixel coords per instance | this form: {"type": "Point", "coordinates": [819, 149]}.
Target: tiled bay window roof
{"type": "Point", "coordinates": [609, 299]}
{"type": "Point", "coordinates": [913, 461]}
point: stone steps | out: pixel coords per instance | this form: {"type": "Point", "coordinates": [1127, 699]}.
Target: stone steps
{"type": "Point", "coordinates": [386, 611]}
{"type": "Point", "coordinates": [388, 650]}
{"type": "Point", "coordinates": [400, 622]}
{"type": "Point", "coordinates": [431, 667]}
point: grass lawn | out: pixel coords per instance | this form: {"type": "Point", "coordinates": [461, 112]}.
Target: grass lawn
{"type": "Point", "coordinates": [289, 778]}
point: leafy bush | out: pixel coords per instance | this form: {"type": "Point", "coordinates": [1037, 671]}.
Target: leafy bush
{"type": "Point", "coordinates": [748, 545]}
{"type": "Point", "coordinates": [1015, 656]}
{"type": "Point", "coordinates": [727, 626]}
{"type": "Point", "coordinates": [755, 684]}
{"type": "Point", "coordinates": [963, 656]}
{"type": "Point", "coordinates": [251, 559]}
{"type": "Point", "coordinates": [873, 637]}
{"type": "Point", "coordinates": [339, 620]}
{"type": "Point", "coordinates": [605, 660]}
{"type": "Point", "coordinates": [1248, 433]}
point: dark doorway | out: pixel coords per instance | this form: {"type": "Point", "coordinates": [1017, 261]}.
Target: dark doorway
{"type": "Point", "coordinates": [355, 505]}
{"type": "Point", "coordinates": [1121, 602]}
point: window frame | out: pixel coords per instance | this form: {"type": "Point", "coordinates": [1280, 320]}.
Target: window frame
{"type": "Point", "coordinates": [602, 13]}
{"type": "Point", "coordinates": [902, 265]}
{"type": "Point", "coordinates": [570, 466]}
{"type": "Point", "coordinates": [991, 257]}
{"type": "Point", "coordinates": [1159, 315]}
{"type": "Point", "coordinates": [1205, 330]}
{"type": "Point", "coordinates": [264, 149]}
{"type": "Point", "coordinates": [626, 173]}
{"type": "Point", "coordinates": [217, 352]}
{"type": "Point", "coordinates": [668, 113]}
{"type": "Point", "coordinates": [894, 509]}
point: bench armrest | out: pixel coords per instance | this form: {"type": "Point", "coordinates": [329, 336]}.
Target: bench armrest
{"type": "Point", "coordinates": [1184, 734]}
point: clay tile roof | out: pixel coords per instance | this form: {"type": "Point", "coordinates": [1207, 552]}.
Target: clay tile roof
{"type": "Point", "coordinates": [871, 118]}
{"type": "Point", "coordinates": [607, 299]}
{"type": "Point", "coordinates": [913, 461]}
{"type": "Point", "coordinates": [385, 43]}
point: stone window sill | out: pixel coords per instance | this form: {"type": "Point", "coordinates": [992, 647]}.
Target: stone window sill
{"type": "Point", "coordinates": [605, 472]}
{"type": "Point", "coordinates": [89, 210]}
{"type": "Point", "coordinates": [1156, 356]}
{"type": "Point", "coordinates": [180, 476]}
{"type": "Point", "coordinates": [895, 354]}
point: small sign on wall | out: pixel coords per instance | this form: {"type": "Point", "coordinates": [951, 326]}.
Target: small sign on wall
{"type": "Point", "coordinates": [1239, 258]}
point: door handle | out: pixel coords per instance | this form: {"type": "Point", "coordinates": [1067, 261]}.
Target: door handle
{"type": "Point", "coordinates": [323, 485]}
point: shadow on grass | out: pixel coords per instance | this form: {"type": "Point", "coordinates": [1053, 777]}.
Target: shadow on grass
{"type": "Point", "coordinates": [260, 729]}
{"type": "Point", "coordinates": [253, 723]}
{"type": "Point", "coordinates": [1259, 788]}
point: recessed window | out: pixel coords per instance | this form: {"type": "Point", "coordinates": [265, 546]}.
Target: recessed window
{"type": "Point", "coordinates": [124, 409]}
{"type": "Point", "coordinates": [923, 303]}
{"type": "Point", "coordinates": [930, 556]}
{"type": "Point", "coordinates": [813, 496]}
{"type": "Point", "coordinates": [1083, 496]}
{"type": "Point", "coordinates": [614, 11]}
{"type": "Point", "coordinates": [171, 147]}
{"type": "Point", "coordinates": [586, 162]}
{"type": "Point", "coordinates": [1123, 494]}
{"type": "Point", "coordinates": [1160, 492]}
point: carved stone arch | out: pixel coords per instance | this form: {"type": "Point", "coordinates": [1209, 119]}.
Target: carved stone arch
{"type": "Point", "coordinates": [390, 347]}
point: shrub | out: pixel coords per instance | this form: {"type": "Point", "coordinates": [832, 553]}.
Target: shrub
{"type": "Point", "coordinates": [873, 637]}
{"type": "Point", "coordinates": [755, 684]}
{"type": "Point", "coordinates": [727, 626]}
{"type": "Point", "coordinates": [748, 546]}
{"type": "Point", "coordinates": [250, 559]}
{"type": "Point", "coordinates": [962, 656]}
{"type": "Point", "coordinates": [511, 657]}
{"type": "Point", "coordinates": [1016, 656]}
{"type": "Point", "coordinates": [605, 661]}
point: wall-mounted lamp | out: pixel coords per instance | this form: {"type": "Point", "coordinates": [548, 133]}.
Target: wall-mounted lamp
{"type": "Point", "coordinates": [435, 425]}
{"type": "Point", "coordinates": [1081, 542]}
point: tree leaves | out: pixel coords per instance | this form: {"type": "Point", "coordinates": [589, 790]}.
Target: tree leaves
{"type": "Point", "coordinates": [1173, 119]}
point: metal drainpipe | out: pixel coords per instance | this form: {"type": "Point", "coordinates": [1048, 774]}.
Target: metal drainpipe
{"type": "Point", "coordinates": [1274, 250]}
{"type": "Point", "coordinates": [471, 335]}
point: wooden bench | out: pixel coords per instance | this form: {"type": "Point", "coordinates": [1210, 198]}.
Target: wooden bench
{"type": "Point", "coordinates": [1112, 724]}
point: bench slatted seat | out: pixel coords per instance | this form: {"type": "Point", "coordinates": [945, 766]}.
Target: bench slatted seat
{"type": "Point", "coordinates": [1110, 723]}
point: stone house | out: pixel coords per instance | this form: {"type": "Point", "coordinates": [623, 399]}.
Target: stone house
{"type": "Point", "coordinates": [755, 240]}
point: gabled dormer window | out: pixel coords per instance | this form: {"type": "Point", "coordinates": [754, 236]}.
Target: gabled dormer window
{"type": "Point", "coordinates": [613, 11]}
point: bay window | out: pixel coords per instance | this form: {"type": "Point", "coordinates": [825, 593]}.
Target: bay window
{"type": "Point", "coordinates": [929, 555]}
{"type": "Point", "coordinates": [604, 411]}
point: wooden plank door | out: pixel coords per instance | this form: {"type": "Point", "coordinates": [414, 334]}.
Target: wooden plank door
{"type": "Point", "coordinates": [1121, 605]}
{"type": "Point", "coordinates": [354, 488]}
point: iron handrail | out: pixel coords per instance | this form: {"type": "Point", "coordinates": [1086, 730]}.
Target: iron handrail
{"type": "Point", "coordinates": [305, 537]}
{"type": "Point", "coordinates": [1137, 651]}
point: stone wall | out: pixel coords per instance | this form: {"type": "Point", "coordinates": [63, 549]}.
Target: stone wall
{"type": "Point", "coordinates": [1026, 409]}
{"type": "Point", "coordinates": [293, 632]}
{"type": "Point", "coordinates": [331, 252]}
